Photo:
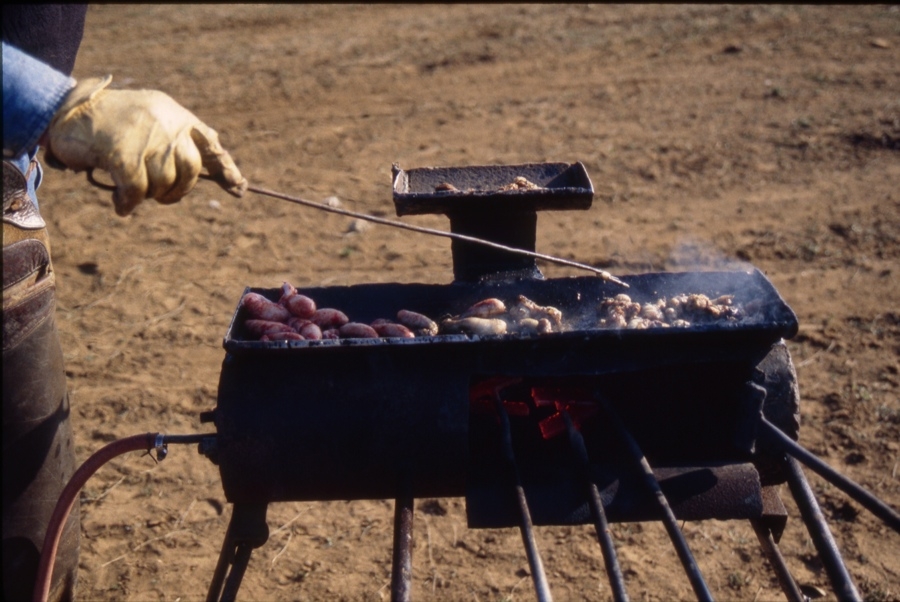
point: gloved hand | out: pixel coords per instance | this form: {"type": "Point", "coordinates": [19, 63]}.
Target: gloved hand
{"type": "Point", "coordinates": [151, 145]}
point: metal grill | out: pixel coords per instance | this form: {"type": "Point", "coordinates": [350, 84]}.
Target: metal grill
{"type": "Point", "coordinates": [583, 427]}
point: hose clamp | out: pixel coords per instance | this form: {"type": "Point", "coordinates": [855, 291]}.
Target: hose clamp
{"type": "Point", "coordinates": [159, 444]}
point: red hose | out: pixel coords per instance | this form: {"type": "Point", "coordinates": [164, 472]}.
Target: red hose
{"type": "Point", "coordinates": [67, 500]}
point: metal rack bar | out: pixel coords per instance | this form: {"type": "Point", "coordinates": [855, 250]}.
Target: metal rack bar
{"type": "Point", "coordinates": [236, 575]}
{"type": "Point", "coordinates": [668, 517]}
{"type": "Point", "coordinates": [226, 555]}
{"type": "Point", "coordinates": [820, 533]}
{"type": "Point", "coordinates": [613, 570]}
{"type": "Point", "coordinates": [401, 566]}
{"type": "Point", "coordinates": [773, 555]}
{"type": "Point", "coordinates": [526, 527]}
{"type": "Point", "coordinates": [247, 530]}
{"type": "Point", "coordinates": [866, 499]}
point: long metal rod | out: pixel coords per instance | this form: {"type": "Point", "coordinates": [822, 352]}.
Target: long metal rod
{"type": "Point", "coordinates": [668, 517]}
{"type": "Point", "coordinates": [238, 568]}
{"type": "Point", "coordinates": [422, 230]}
{"type": "Point", "coordinates": [226, 555]}
{"type": "Point", "coordinates": [858, 493]}
{"type": "Point", "coordinates": [401, 565]}
{"type": "Point", "coordinates": [820, 533]}
{"type": "Point", "coordinates": [773, 555]}
{"type": "Point", "coordinates": [610, 559]}
{"type": "Point", "coordinates": [186, 439]}
{"type": "Point", "coordinates": [526, 527]}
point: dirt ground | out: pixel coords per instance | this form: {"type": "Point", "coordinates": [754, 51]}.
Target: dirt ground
{"type": "Point", "coordinates": [715, 136]}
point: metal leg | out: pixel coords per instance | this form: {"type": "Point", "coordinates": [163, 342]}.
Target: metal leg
{"type": "Point", "coordinates": [246, 530]}
{"type": "Point", "coordinates": [238, 568]}
{"type": "Point", "coordinates": [541, 587]}
{"type": "Point", "coordinates": [820, 533]}
{"type": "Point", "coordinates": [401, 568]}
{"type": "Point", "coordinates": [869, 501]}
{"type": "Point", "coordinates": [226, 556]}
{"type": "Point", "coordinates": [773, 555]}
{"type": "Point", "coordinates": [613, 570]}
{"type": "Point", "coordinates": [668, 517]}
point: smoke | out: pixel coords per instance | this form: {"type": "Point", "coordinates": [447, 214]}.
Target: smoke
{"type": "Point", "coordinates": [691, 255]}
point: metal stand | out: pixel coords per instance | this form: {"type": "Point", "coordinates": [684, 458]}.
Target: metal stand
{"type": "Point", "coordinates": [401, 566]}
{"type": "Point", "coordinates": [246, 530]}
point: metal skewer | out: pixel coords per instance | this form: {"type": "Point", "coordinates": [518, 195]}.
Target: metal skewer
{"type": "Point", "coordinates": [606, 276]}
{"type": "Point", "coordinates": [422, 230]}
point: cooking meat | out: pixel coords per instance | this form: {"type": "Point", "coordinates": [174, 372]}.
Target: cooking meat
{"type": "Point", "coordinates": [310, 331]}
{"type": "Point", "coordinates": [282, 336]}
{"type": "Point", "coordinates": [679, 311]}
{"type": "Point", "coordinates": [527, 325]}
{"type": "Point", "coordinates": [258, 328]}
{"type": "Point", "coordinates": [389, 329]}
{"type": "Point", "coordinates": [262, 309]}
{"type": "Point", "coordinates": [526, 308]}
{"type": "Point", "coordinates": [297, 323]}
{"type": "Point", "coordinates": [328, 317]}
{"type": "Point", "coordinates": [544, 326]}
{"type": "Point", "coordinates": [479, 326]}
{"type": "Point", "coordinates": [357, 330]}
{"type": "Point", "coordinates": [418, 323]}
{"type": "Point", "coordinates": [519, 183]}
{"type": "Point", "coordinates": [299, 305]}
{"type": "Point", "coordinates": [488, 308]}
{"type": "Point", "coordinates": [287, 289]}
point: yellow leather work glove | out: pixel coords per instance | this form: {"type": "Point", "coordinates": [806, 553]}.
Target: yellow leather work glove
{"type": "Point", "coordinates": [151, 145]}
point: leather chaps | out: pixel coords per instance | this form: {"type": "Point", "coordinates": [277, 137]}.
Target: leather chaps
{"type": "Point", "coordinates": [38, 446]}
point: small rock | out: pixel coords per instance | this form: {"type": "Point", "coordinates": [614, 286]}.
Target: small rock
{"type": "Point", "coordinates": [813, 592]}
{"type": "Point", "coordinates": [333, 202]}
{"type": "Point", "coordinates": [433, 507]}
{"type": "Point", "coordinates": [855, 458]}
{"type": "Point", "coordinates": [359, 225]}
{"type": "Point", "coordinates": [879, 43]}
{"type": "Point", "coordinates": [214, 204]}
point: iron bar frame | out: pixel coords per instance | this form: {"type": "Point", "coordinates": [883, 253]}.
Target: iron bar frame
{"type": "Point", "coordinates": [610, 559]}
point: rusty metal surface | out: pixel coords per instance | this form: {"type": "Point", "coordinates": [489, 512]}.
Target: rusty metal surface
{"type": "Point", "coordinates": [726, 492]}
{"type": "Point", "coordinates": [577, 298]}
{"type": "Point", "coordinates": [371, 420]}
{"type": "Point", "coordinates": [483, 202]}
{"type": "Point", "coordinates": [560, 186]}
{"type": "Point", "coordinates": [401, 560]}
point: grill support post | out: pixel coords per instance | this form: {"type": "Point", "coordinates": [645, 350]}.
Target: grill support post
{"type": "Point", "coordinates": [401, 565]}
{"type": "Point", "coordinates": [610, 559]}
{"type": "Point", "coordinates": [820, 533]}
{"type": "Point", "coordinates": [247, 530]}
{"type": "Point", "coordinates": [773, 555]}
{"type": "Point", "coordinates": [668, 517]}
{"type": "Point", "coordinates": [859, 494]}
{"type": "Point", "coordinates": [538, 576]}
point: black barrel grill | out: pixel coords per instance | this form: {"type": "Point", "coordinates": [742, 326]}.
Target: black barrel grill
{"type": "Point", "coordinates": [586, 426]}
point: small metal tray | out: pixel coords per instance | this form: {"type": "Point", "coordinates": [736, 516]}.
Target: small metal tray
{"type": "Point", "coordinates": [442, 190]}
